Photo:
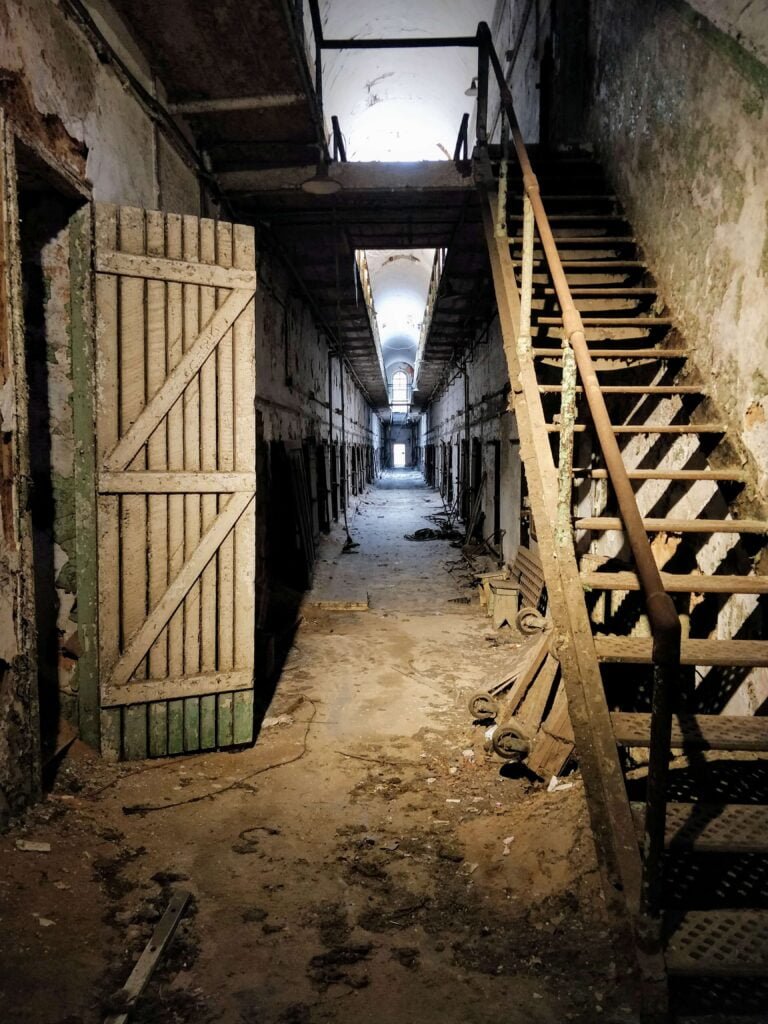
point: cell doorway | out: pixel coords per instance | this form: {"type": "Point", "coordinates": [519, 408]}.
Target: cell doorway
{"type": "Point", "coordinates": [398, 456]}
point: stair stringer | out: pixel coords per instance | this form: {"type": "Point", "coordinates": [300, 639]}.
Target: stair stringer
{"type": "Point", "coordinates": [573, 642]}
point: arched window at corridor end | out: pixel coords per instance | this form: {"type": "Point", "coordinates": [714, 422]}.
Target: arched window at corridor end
{"type": "Point", "coordinates": [400, 392]}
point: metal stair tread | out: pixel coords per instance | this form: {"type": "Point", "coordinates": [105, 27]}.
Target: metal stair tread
{"type": "Point", "coordinates": [613, 523]}
{"type": "Point", "coordinates": [679, 583]}
{"type": "Point", "coordinates": [695, 732]}
{"type": "Point", "coordinates": [727, 653]}
{"type": "Point", "coordinates": [725, 943]}
{"type": "Point", "coordinates": [712, 828]}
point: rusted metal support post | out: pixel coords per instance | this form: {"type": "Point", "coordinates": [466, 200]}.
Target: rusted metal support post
{"type": "Point", "coordinates": [467, 474]}
{"type": "Point", "coordinates": [501, 196]}
{"type": "Point", "coordinates": [565, 457]}
{"type": "Point", "coordinates": [339, 150]}
{"type": "Point", "coordinates": [482, 93]}
{"type": "Point", "coordinates": [461, 151]}
{"type": "Point", "coordinates": [317, 30]}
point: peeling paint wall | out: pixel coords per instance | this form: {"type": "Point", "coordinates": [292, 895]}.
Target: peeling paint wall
{"type": "Point", "coordinates": [680, 116]}
{"type": "Point", "coordinates": [59, 70]}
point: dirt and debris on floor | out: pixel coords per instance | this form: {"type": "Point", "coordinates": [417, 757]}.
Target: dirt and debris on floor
{"type": "Point", "coordinates": [365, 860]}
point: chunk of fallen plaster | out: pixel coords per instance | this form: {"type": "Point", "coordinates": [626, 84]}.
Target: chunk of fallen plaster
{"type": "Point", "coordinates": [556, 786]}
{"type": "Point", "coordinates": [32, 846]}
{"type": "Point", "coordinates": [271, 722]}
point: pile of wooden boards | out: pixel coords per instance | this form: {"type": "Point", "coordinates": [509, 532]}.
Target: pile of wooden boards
{"type": "Point", "coordinates": [533, 723]}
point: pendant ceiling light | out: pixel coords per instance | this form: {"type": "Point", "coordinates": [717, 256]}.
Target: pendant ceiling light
{"type": "Point", "coordinates": [321, 183]}
{"type": "Point", "coordinates": [472, 90]}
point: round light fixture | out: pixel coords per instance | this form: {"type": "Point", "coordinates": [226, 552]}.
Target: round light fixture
{"type": "Point", "coordinates": [321, 183]}
{"type": "Point", "coordinates": [472, 90]}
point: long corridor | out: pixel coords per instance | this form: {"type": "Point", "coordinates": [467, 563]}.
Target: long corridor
{"type": "Point", "coordinates": [364, 861]}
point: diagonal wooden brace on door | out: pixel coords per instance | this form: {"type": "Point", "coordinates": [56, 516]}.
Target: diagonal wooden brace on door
{"type": "Point", "coordinates": [158, 407]}
{"type": "Point", "coordinates": [145, 636]}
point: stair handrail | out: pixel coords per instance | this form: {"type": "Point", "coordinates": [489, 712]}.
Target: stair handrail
{"type": "Point", "coordinates": [662, 615]}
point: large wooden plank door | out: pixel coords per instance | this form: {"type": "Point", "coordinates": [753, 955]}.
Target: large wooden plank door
{"type": "Point", "coordinates": [174, 440]}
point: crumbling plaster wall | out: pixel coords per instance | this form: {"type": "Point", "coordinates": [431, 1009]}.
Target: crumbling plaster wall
{"type": "Point", "coordinates": [490, 421]}
{"type": "Point", "coordinates": [49, 58]}
{"type": "Point", "coordinates": [680, 118]}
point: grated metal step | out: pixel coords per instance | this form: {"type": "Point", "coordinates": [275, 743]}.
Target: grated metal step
{"type": "Point", "coordinates": [712, 828]}
{"type": "Point", "coordinates": [732, 943]}
{"type": "Point", "coordinates": [679, 583]}
{"type": "Point", "coordinates": [695, 732]}
{"type": "Point", "coordinates": [725, 653]}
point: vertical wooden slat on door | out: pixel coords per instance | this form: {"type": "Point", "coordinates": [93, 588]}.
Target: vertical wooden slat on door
{"type": "Point", "coordinates": [244, 408]}
{"type": "Point", "coordinates": [175, 481]}
{"type": "Point", "coordinates": [107, 433]}
{"type": "Point", "coordinates": [176, 502]}
{"type": "Point", "coordinates": [157, 459]}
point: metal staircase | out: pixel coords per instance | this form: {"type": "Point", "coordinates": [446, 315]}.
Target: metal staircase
{"type": "Point", "coordinates": [649, 545]}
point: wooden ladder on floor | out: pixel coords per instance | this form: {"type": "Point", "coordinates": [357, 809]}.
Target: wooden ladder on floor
{"type": "Point", "coordinates": [632, 431]}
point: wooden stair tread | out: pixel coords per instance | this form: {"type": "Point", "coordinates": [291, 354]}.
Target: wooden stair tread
{"type": "Point", "coordinates": [597, 264]}
{"type": "Point", "coordinates": [632, 389]}
{"type": "Point", "coordinates": [619, 353]}
{"type": "Point", "coordinates": [695, 732]}
{"type": "Point", "coordinates": [610, 321]}
{"type": "Point", "coordinates": [649, 428]}
{"type": "Point", "coordinates": [579, 240]}
{"type": "Point", "coordinates": [589, 197]}
{"type": "Point", "coordinates": [679, 583]}
{"type": "Point", "coordinates": [734, 474]}
{"type": "Point", "coordinates": [724, 943]}
{"type": "Point", "coordinates": [611, 523]}
{"type": "Point", "coordinates": [712, 828]}
{"type": "Point", "coordinates": [637, 650]}
{"type": "Point", "coordinates": [572, 217]}
{"type": "Point", "coordinates": [584, 291]}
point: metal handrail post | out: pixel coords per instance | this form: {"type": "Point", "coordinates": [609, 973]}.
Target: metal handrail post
{"type": "Point", "coordinates": [563, 534]}
{"type": "Point", "coordinates": [526, 276]}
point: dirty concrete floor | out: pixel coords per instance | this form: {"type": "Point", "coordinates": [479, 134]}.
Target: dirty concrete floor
{"type": "Point", "coordinates": [364, 861]}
